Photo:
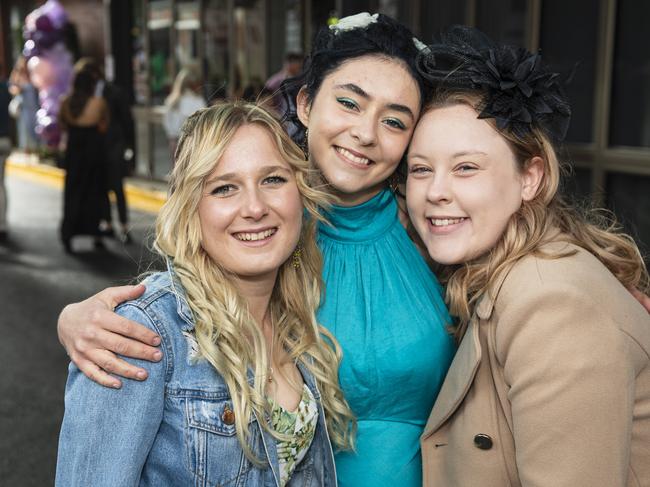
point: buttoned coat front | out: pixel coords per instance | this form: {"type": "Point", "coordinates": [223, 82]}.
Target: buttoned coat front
{"type": "Point", "coordinates": [550, 385]}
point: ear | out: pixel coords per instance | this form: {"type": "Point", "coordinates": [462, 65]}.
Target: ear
{"type": "Point", "coordinates": [303, 106]}
{"type": "Point", "coordinates": [532, 177]}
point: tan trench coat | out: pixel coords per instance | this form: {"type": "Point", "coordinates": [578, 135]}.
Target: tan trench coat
{"type": "Point", "coordinates": [550, 385]}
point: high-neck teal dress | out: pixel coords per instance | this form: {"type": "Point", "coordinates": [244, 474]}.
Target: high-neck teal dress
{"type": "Point", "coordinates": [385, 307]}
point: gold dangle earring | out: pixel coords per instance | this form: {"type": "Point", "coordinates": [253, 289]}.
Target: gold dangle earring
{"type": "Point", "coordinates": [305, 144]}
{"type": "Point", "coordinates": [295, 256]}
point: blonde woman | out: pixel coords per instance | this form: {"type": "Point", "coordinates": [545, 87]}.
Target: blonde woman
{"type": "Point", "coordinates": [247, 391]}
{"type": "Point", "coordinates": [551, 382]}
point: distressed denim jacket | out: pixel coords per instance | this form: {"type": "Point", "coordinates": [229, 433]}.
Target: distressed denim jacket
{"type": "Point", "coordinates": [171, 430]}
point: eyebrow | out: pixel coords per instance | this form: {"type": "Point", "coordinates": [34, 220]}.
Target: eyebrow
{"type": "Point", "coordinates": [362, 93]}
{"type": "Point", "coordinates": [468, 153]}
{"type": "Point", "coordinates": [264, 171]}
{"type": "Point", "coordinates": [453, 156]}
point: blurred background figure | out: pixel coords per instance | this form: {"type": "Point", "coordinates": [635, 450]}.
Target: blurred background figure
{"type": "Point", "coordinates": [119, 140]}
{"type": "Point", "coordinates": [184, 99]}
{"type": "Point", "coordinates": [291, 67]}
{"type": "Point", "coordinates": [23, 105]}
{"type": "Point", "coordinates": [5, 149]}
{"type": "Point", "coordinates": [84, 117]}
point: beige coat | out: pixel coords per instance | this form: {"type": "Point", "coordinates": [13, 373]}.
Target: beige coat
{"type": "Point", "coordinates": [550, 386]}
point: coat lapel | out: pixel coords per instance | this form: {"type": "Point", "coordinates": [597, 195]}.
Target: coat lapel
{"type": "Point", "coordinates": [458, 381]}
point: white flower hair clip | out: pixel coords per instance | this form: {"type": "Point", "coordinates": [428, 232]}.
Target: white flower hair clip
{"type": "Point", "coordinates": [420, 46]}
{"type": "Point", "coordinates": [357, 21]}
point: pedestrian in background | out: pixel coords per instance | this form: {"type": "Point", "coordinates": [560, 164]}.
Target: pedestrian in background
{"type": "Point", "coordinates": [184, 99]}
{"type": "Point", "coordinates": [24, 105]}
{"type": "Point", "coordinates": [119, 139]}
{"type": "Point", "coordinates": [5, 149]}
{"type": "Point", "coordinates": [85, 118]}
{"type": "Point", "coordinates": [291, 67]}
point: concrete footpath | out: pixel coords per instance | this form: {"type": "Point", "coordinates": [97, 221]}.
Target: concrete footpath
{"type": "Point", "coordinates": [141, 194]}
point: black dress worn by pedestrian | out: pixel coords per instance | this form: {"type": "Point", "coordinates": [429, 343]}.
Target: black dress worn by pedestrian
{"type": "Point", "coordinates": [85, 188]}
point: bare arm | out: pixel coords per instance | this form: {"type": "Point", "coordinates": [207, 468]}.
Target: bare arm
{"type": "Point", "coordinates": [93, 334]}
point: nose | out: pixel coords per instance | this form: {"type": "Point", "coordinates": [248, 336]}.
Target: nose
{"type": "Point", "coordinates": [439, 190]}
{"type": "Point", "coordinates": [254, 206]}
{"type": "Point", "coordinates": [365, 130]}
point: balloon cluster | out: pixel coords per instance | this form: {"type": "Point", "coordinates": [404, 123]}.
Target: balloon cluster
{"type": "Point", "coordinates": [50, 65]}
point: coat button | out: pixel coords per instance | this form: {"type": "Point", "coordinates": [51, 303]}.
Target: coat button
{"type": "Point", "coordinates": [483, 441]}
{"type": "Point", "coordinates": [228, 416]}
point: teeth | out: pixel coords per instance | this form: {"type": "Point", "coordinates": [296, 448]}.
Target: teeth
{"type": "Point", "coordinates": [443, 222]}
{"type": "Point", "coordinates": [349, 155]}
{"type": "Point", "coordinates": [251, 237]}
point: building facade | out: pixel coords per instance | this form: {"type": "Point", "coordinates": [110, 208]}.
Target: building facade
{"type": "Point", "coordinates": [240, 43]}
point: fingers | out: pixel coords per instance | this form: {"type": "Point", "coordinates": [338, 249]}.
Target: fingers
{"type": "Point", "coordinates": [113, 296]}
{"type": "Point", "coordinates": [107, 320]}
{"type": "Point", "coordinates": [127, 347]}
{"type": "Point", "coordinates": [109, 363]}
{"type": "Point", "coordinates": [94, 373]}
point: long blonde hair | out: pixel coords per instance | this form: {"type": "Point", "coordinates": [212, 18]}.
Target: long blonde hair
{"type": "Point", "coordinates": [226, 333]}
{"type": "Point", "coordinates": [594, 230]}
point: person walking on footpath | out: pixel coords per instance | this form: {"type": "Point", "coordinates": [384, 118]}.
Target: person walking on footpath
{"type": "Point", "coordinates": [119, 139]}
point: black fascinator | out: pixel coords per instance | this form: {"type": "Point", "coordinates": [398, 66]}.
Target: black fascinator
{"type": "Point", "coordinates": [520, 90]}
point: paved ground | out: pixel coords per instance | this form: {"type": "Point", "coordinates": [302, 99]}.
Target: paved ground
{"type": "Point", "coordinates": [36, 280]}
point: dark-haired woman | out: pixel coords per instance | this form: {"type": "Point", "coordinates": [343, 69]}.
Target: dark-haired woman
{"type": "Point", "coordinates": [85, 119]}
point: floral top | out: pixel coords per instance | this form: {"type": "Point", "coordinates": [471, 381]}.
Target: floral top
{"type": "Point", "coordinates": [300, 426]}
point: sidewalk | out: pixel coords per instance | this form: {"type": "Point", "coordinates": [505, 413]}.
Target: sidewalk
{"type": "Point", "coordinates": [141, 194]}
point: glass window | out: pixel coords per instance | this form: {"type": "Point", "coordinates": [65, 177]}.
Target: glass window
{"type": "Point", "coordinates": [187, 27]}
{"type": "Point", "coordinates": [215, 42]}
{"type": "Point", "coordinates": [503, 20]}
{"type": "Point", "coordinates": [161, 69]}
{"type": "Point", "coordinates": [436, 16]}
{"type": "Point", "coordinates": [576, 186]}
{"type": "Point", "coordinates": [628, 195]}
{"type": "Point", "coordinates": [630, 101]}
{"type": "Point", "coordinates": [563, 45]}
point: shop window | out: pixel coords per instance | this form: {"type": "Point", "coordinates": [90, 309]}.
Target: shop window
{"type": "Point", "coordinates": [503, 20]}
{"type": "Point", "coordinates": [576, 185]}
{"type": "Point", "coordinates": [630, 100]}
{"type": "Point", "coordinates": [566, 47]}
{"type": "Point", "coordinates": [437, 16]}
{"type": "Point", "coordinates": [628, 195]}
{"type": "Point", "coordinates": [161, 69]}
{"type": "Point", "coordinates": [215, 45]}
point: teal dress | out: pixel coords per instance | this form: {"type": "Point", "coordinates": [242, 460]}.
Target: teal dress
{"type": "Point", "coordinates": [385, 307]}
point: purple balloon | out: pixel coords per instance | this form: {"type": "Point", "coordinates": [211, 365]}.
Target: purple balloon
{"type": "Point", "coordinates": [44, 24]}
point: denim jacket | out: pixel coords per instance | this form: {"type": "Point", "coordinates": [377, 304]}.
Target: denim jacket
{"type": "Point", "coordinates": [171, 430]}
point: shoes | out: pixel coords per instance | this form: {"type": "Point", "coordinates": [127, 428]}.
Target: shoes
{"type": "Point", "coordinates": [99, 244]}
{"type": "Point", "coordinates": [67, 246]}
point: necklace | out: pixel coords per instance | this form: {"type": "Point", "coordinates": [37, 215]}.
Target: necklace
{"type": "Point", "coordinates": [270, 357]}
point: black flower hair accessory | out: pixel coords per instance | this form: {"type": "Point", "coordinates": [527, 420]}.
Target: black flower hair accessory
{"type": "Point", "coordinates": [520, 90]}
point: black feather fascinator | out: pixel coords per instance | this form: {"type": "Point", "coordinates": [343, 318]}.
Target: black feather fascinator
{"type": "Point", "coordinates": [519, 90]}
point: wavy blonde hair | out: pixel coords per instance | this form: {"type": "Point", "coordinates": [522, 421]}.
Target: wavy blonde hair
{"type": "Point", "coordinates": [227, 335]}
{"type": "Point", "coordinates": [594, 230]}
